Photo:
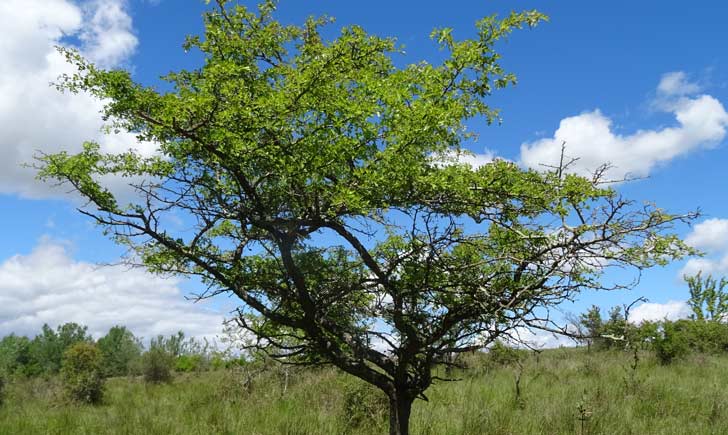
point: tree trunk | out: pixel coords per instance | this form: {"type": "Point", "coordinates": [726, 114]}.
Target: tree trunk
{"type": "Point", "coordinates": [400, 407]}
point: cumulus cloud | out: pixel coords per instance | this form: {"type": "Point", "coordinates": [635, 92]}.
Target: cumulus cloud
{"type": "Point", "coordinates": [48, 286]}
{"type": "Point", "coordinates": [701, 122]}
{"type": "Point", "coordinates": [711, 237]}
{"type": "Point", "coordinates": [34, 116]}
{"type": "Point", "coordinates": [107, 33]}
{"type": "Point", "coordinates": [649, 311]}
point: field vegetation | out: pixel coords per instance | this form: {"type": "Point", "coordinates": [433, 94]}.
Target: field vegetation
{"type": "Point", "coordinates": [560, 391]}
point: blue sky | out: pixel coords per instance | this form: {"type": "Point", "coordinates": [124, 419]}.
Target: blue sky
{"type": "Point", "coordinates": [640, 84]}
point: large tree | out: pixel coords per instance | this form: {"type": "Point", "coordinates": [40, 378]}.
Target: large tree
{"type": "Point", "coordinates": [320, 183]}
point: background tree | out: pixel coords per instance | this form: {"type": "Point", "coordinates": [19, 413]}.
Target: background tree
{"type": "Point", "coordinates": [593, 325]}
{"type": "Point", "coordinates": [119, 349]}
{"type": "Point", "coordinates": [157, 362]}
{"type": "Point", "coordinates": [15, 355]}
{"type": "Point", "coordinates": [47, 348]}
{"type": "Point", "coordinates": [322, 186]}
{"type": "Point", "coordinates": [708, 297]}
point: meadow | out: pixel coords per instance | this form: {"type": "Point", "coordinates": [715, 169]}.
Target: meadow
{"type": "Point", "coordinates": [558, 391]}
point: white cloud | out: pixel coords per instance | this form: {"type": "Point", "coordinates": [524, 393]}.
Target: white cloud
{"type": "Point", "coordinates": [48, 286]}
{"type": "Point", "coordinates": [701, 122]}
{"type": "Point", "coordinates": [107, 34]}
{"type": "Point", "coordinates": [649, 311]}
{"type": "Point", "coordinates": [676, 83]}
{"type": "Point", "coordinates": [708, 266]}
{"type": "Point", "coordinates": [34, 116]}
{"type": "Point", "coordinates": [710, 236]}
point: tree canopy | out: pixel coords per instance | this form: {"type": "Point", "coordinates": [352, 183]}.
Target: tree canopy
{"type": "Point", "coordinates": [320, 183]}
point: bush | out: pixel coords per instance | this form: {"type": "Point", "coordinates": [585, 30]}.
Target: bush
{"type": "Point", "coordinates": [82, 373]}
{"type": "Point", "coordinates": [501, 354]}
{"type": "Point", "coordinates": [363, 404]}
{"type": "Point", "coordinates": [680, 338]}
{"type": "Point", "coordinates": [188, 363]}
{"type": "Point", "coordinates": [157, 365]}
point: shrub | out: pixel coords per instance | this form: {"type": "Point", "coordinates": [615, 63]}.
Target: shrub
{"type": "Point", "coordinates": [501, 354]}
{"type": "Point", "coordinates": [363, 404]}
{"type": "Point", "coordinates": [82, 374]}
{"type": "Point", "coordinates": [188, 363]}
{"type": "Point", "coordinates": [157, 365]}
{"type": "Point", "coordinates": [680, 338]}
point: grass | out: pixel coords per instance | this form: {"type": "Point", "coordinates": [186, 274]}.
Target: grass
{"type": "Point", "coordinates": [564, 391]}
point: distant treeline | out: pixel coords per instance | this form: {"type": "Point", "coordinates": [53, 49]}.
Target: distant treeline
{"type": "Point", "coordinates": [121, 352]}
{"type": "Point", "coordinates": [705, 331]}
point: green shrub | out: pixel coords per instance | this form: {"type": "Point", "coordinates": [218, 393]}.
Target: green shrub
{"type": "Point", "coordinates": [157, 365]}
{"type": "Point", "coordinates": [501, 354]}
{"type": "Point", "coordinates": [218, 361]}
{"type": "Point", "coordinates": [82, 374]}
{"type": "Point", "coordinates": [680, 338]}
{"type": "Point", "coordinates": [188, 363]}
{"type": "Point", "coordinates": [363, 404]}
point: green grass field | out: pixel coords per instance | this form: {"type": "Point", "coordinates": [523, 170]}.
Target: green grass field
{"type": "Point", "coordinates": [565, 391]}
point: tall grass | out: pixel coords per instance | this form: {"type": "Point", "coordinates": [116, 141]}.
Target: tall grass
{"type": "Point", "coordinates": [566, 391]}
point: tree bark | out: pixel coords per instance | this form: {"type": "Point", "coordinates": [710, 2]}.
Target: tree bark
{"type": "Point", "coordinates": [400, 407]}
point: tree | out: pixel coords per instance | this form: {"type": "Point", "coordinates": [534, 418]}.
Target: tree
{"type": "Point", "coordinates": [158, 361]}
{"type": "Point", "coordinates": [593, 325]}
{"type": "Point", "coordinates": [47, 348]}
{"type": "Point", "coordinates": [14, 355]}
{"type": "Point", "coordinates": [322, 186]}
{"type": "Point", "coordinates": [708, 297]}
{"type": "Point", "coordinates": [119, 348]}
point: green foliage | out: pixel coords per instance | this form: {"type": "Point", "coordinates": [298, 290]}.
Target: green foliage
{"type": "Point", "coordinates": [363, 405]}
{"type": "Point", "coordinates": [188, 363]}
{"type": "Point", "coordinates": [681, 338]}
{"type": "Point", "coordinates": [119, 349]}
{"type": "Point", "coordinates": [593, 325]}
{"type": "Point", "coordinates": [157, 364]}
{"type": "Point", "coordinates": [500, 354]}
{"type": "Point", "coordinates": [672, 344]}
{"type": "Point", "coordinates": [82, 373]}
{"type": "Point", "coordinates": [708, 297]}
{"type": "Point", "coordinates": [15, 355]}
{"type": "Point", "coordinates": [47, 348]}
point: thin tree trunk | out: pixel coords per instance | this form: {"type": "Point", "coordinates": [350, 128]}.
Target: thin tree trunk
{"type": "Point", "coordinates": [400, 408]}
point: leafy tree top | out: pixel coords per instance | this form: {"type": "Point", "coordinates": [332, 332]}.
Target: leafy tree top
{"type": "Point", "coordinates": [708, 297]}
